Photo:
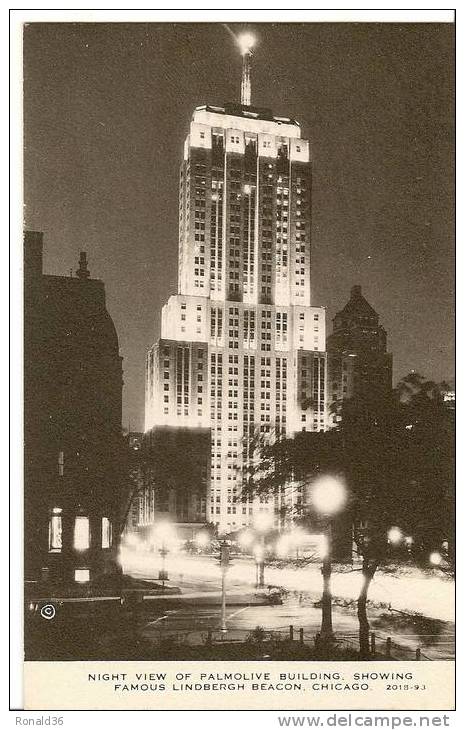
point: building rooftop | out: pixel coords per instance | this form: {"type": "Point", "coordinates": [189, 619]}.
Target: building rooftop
{"type": "Point", "coordinates": [247, 118]}
{"type": "Point", "coordinates": [246, 112]}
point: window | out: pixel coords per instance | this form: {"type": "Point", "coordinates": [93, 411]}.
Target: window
{"type": "Point", "coordinates": [55, 531]}
{"type": "Point", "coordinates": [81, 533]}
{"type": "Point", "coordinates": [106, 533]}
{"type": "Point", "coordinates": [82, 575]}
{"type": "Point", "coordinates": [61, 463]}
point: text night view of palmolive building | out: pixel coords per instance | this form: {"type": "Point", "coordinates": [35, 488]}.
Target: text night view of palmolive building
{"type": "Point", "coordinates": [242, 350]}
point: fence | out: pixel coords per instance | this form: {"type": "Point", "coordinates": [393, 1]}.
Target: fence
{"type": "Point", "coordinates": [382, 646]}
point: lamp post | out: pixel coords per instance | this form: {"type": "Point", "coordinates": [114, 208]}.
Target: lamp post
{"type": "Point", "coordinates": [262, 522]}
{"type": "Point", "coordinates": [224, 565]}
{"type": "Point", "coordinates": [163, 534]}
{"type": "Point", "coordinates": [259, 554]}
{"type": "Point", "coordinates": [329, 496]}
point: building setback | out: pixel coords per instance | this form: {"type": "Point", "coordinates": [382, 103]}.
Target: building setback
{"type": "Point", "coordinates": [72, 424]}
{"type": "Point", "coordinates": [359, 366]}
{"type": "Point", "coordinates": [242, 350]}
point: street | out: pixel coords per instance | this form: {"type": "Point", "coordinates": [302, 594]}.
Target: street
{"type": "Point", "coordinates": [197, 610]}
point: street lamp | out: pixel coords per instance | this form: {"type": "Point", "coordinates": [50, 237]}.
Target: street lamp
{"type": "Point", "coordinates": [435, 558]}
{"type": "Point", "coordinates": [224, 565]}
{"type": "Point", "coordinates": [163, 535]}
{"type": "Point", "coordinates": [259, 554]}
{"type": "Point", "coordinates": [328, 495]}
{"type": "Point", "coordinates": [262, 522]}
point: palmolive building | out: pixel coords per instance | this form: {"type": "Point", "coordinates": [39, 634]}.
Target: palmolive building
{"type": "Point", "coordinates": [242, 350]}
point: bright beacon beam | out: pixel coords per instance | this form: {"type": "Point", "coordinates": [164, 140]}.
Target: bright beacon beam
{"type": "Point", "coordinates": [246, 42]}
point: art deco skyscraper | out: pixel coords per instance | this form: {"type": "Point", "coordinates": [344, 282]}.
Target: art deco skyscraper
{"type": "Point", "coordinates": [241, 350]}
{"type": "Point", "coordinates": [359, 365]}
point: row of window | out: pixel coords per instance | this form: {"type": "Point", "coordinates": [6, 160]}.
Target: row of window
{"type": "Point", "coordinates": [81, 532]}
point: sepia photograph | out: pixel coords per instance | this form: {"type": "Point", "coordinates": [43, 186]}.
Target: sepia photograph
{"type": "Point", "coordinates": [239, 364]}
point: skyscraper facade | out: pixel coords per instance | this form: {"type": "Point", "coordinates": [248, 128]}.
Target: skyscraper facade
{"type": "Point", "coordinates": [242, 350]}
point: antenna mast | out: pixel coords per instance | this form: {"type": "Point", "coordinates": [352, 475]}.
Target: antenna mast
{"type": "Point", "coordinates": [246, 44]}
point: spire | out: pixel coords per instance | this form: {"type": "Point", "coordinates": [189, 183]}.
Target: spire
{"type": "Point", "coordinates": [83, 272]}
{"type": "Point", "coordinates": [246, 42]}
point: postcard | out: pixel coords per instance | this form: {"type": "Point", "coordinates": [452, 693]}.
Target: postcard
{"type": "Point", "coordinates": [239, 388]}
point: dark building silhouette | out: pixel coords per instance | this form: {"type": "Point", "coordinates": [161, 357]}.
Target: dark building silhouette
{"type": "Point", "coordinates": [72, 425]}
{"type": "Point", "coordinates": [171, 485]}
{"type": "Point", "coordinates": [359, 366]}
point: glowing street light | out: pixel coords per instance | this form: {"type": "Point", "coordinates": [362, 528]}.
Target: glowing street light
{"type": "Point", "coordinates": [395, 536]}
{"type": "Point", "coordinates": [262, 522]}
{"type": "Point", "coordinates": [329, 496]}
{"type": "Point", "coordinates": [163, 535]}
{"type": "Point", "coordinates": [245, 539]}
{"type": "Point", "coordinates": [435, 558]}
{"type": "Point", "coordinates": [202, 539]}
{"type": "Point", "coordinates": [132, 540]}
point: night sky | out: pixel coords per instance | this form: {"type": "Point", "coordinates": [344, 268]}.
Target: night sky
{"type": "Point", "coordinates": [107, 108]}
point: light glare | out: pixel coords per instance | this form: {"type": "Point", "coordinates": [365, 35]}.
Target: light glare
{"type": "Point", "coordinates": [245, 539]}
{"type": "Point", "coordinates": [246, 42]}
{"type": "Point", "coordinates": [282, 546]}
{"type": "Point", "coordinates": [202, 539]}
{"type": "Point", "coordinates": [263, 521]}
{"type": "Point", "coordinates": [395, 535]}
{"type": "Point", "coordinates": [328, 495]}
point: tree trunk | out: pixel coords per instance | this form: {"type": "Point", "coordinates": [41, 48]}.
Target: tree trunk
{"type": "Point", "coordinates": [364, 626]}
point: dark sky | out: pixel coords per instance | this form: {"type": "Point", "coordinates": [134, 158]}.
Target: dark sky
{"type": "Point", "coordinates": [107, 108]}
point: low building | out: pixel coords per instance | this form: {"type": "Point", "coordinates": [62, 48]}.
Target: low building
{"type": "Point", "coordinates": [171, 481]}
{"type": "Point", "coordinates": [72, 425]}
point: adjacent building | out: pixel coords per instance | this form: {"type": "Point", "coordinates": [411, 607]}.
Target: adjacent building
{"type": "Point", "coordinates": [242, 349]}
{"type": "Point", "coordinates": [359, 365]}
{"type": "Point", "coordinates": [73, 473]}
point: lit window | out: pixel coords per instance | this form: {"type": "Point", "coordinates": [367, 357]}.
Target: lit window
{"type": "Point", "coordinates": [61, 463]}
{"type": "Point", "coordinates": [82, 575]}
{"type": "Point", "coordinates": [106, 532]}
{"type": "Point", "coordinates": [55, 531]}
{"type": "Point", "coordinates": [81, 533]}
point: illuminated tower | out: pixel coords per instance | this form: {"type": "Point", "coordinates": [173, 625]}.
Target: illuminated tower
{"type": "Point", "coordinates": [241, 350]}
